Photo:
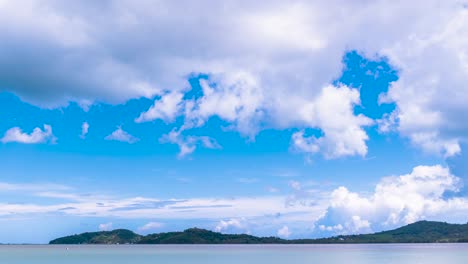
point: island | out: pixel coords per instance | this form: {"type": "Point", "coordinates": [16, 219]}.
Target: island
{"type": "Point", "coordinates": [419, 232]}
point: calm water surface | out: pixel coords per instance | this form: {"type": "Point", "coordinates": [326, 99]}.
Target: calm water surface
{"type": "Point", "coordinates": [258, 254]}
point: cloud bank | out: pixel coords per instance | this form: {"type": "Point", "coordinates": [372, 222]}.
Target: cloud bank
{"type": "Point", "coordinates": [427, 192]}
{"type": "Point", "coordinates": [269, 64]}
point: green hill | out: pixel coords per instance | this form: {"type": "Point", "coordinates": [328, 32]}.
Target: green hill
{"type": "Point", "coordinates": [419, 232]}
{"type": "Point", "coordinates": [202, 236]}
{"type": "Point", "coordinates": [118, 236]}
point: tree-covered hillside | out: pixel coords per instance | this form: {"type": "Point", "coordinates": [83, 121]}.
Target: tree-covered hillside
{"type": "Point", "coordinates": [118, 236]}
{"type": "Point", "coordinates": [419, 232]}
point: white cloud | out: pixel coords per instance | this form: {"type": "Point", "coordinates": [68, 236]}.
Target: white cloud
{"type": "Point", "coordinates": [433, 142]}
{"type": "Point", "coordinates": [175, 137]}
{"type": "Point", "coordinates": [264, 73]}
{"type": "Point", "coordinates": [167, 108]}
{"type": "Point", "coordinates": [230, 224]}
{"type": "Point", "coordinates": [150, 227]}
{"type": "Point", "coordinates": [239, 100]}
{"type": "Point", "coordinates": [120, 135]}
{"type": "Point", "coordinates": [284, 232]}
{"type": "Point", "coordinates": [430, 96]}
{"type": "Point", "coordinates": [397, 201]}
{"type": "Point", "coordinates": [37, 136]}
{"type": "Point", "coordinates": [388, 123]}
{"type": "Point", "coordinates": [61, 65]}
{"type": "Point", "coordinates": [358, 225]}
{"type": "Point", "coordinates": [84, 130]}
{"type": "Point", "coordinates": [188, 144]}
{"type": "Point", "coordinates": [332, 112]}
{"type": "Point", "coordinates": [233, 214]}
{"type": "Point", "coordinates": [105, 227]}
{"type": "Point", "coordinates": [427, 192]}
{"type": "Point", "coordinates": [335, 228]}
{"type": "Point", "coordinates": [235, 97]}
{"type": "Point", "coordinates": [304, 144]}
{"type": "Point", "coordinates": [302, 194]}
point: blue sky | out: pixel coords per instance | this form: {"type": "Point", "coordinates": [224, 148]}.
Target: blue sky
{"type": "Point", "coordinates": [290, 126]}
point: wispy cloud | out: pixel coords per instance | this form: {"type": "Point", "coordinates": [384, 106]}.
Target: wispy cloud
{"type": "Point", "coordinates": [84, 130]}
{"type": "Point", "coordinates": [4, 186]}
{"type": "Point", "coordinates": [247, 180]}
{"type": "Point", "coordinates": [150, 227]}
{"type": "Point", "coordinates": [75, 204]}
{"type": "Point", "coordinates": [188, 144]}
{"type": "Point", "coordinates": [272, 189]}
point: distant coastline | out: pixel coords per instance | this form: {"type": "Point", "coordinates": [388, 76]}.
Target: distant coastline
{"type": "Point", "coordinates": [419, 232]}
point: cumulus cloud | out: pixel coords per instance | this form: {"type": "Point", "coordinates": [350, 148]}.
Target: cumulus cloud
{"type": "Point", "coordinates": [84, 130]}
{"type": "Point", "coordinates": [266, 71]}
{"type": "Point", "coordinates": [105, 227]}
{"type": "Point", "coordinates": [166, 109]}
{"type": "Point", "coordinates": [37, 136]}
{"type": "Point", "coordinates": [229, 225]}
{"type": "Point", "coordinates": [240, 101]}
{"type": "Point", "coordinates": [396, 201]}
{"type": "Point", "coordinates": [430, 96]}
{"type": "Point", "coordinates": [332, 112]}
{"type": "Point", "coordinates": [235, 97]}
{"type": "Point", "coordinates": [120, 135]}
{"type": "Point", "coordinates": [284, 232]}
{"type": "Point", "coordinates": [335, 228]}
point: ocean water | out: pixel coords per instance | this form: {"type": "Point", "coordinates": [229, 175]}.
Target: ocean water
{"type": "Point", "coordinates": [236, 254]}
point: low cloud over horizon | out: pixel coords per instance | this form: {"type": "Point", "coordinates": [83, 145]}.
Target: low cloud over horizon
{"type": "Point", "coordinates": [396, 201]}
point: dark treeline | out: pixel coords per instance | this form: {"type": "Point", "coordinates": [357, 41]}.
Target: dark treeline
{"type": "Point", "coordinates": [419, 232]}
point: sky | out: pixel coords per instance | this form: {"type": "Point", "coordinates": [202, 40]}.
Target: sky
{"type": "Point", "coordinates": [298, 119]}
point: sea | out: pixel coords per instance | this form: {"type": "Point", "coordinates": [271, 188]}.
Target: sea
{"type": "Point", "coordinates": [235, 254]}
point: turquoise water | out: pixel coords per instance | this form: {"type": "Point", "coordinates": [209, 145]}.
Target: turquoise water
{"type": "Point", "coordinates": [271, 254]}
